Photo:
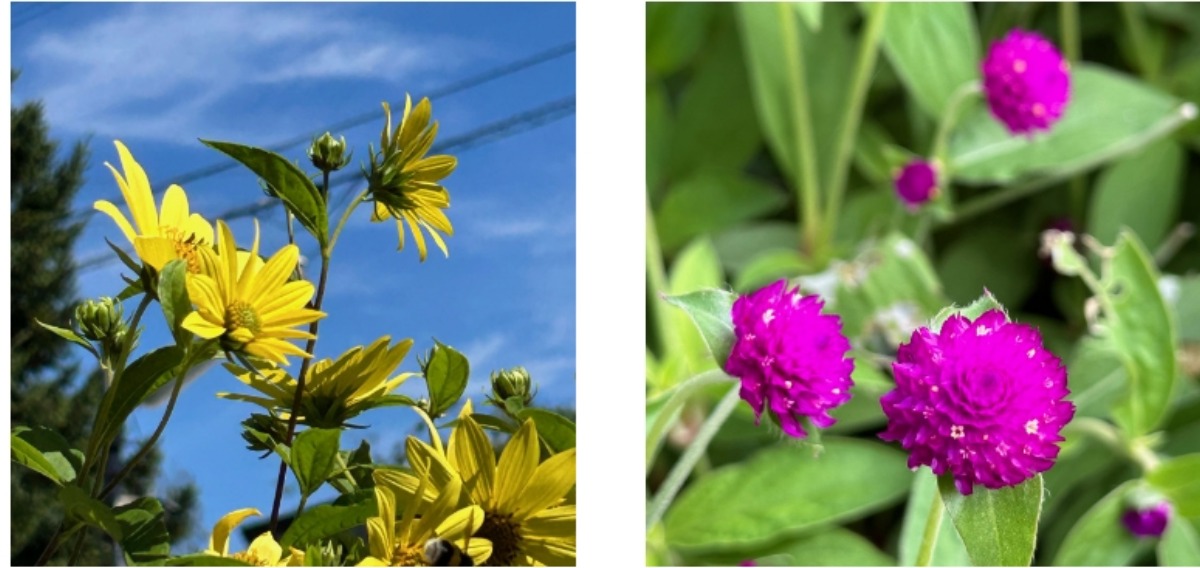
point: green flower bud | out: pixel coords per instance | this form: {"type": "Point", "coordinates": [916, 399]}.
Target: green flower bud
{"type": "Point", "coordinates": [327, 154]}
{"type": "Point", "coordinates": [511, 383]}
{"type": "Point", "coordinates": [263, 432]}
{"type": "Point", "coordinates": [101, 320]}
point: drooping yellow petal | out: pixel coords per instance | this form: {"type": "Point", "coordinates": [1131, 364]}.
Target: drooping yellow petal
{"type": "Point", "coordinates": [155, 251]}
{"type": "Point", "coordinates": [111, 210]}
{"type": "Point", "coordinates": [517, 464]}
{"type": "Point", "coordinates": [549, 484]}
{"type": "Point", "coordinates": [437, 240]}
{"type": "Point", "coordinates": [380, 540]}
{"type": "Point", "coordinates": [219, 542]}
{"type": "Point", "coordinates": [416, 233]}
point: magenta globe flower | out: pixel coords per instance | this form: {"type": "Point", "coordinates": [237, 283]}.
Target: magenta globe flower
{"type": "Point", "coordinates": [982, 400]}
{"type": "Point", "coordinates": [1148, 522]}
{"type": "Point", "coordinates": [1026, 81]}
{"type": "Point", "coordinates": [790, 357]}
{"type": "Point", "coordinates": [916, 183]}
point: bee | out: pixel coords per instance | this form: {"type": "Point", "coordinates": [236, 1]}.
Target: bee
{"type": "Point", "coordinates": [441, 552]}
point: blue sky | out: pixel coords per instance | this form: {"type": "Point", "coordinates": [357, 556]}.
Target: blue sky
{"type": "Point", "coordinates": [159, 76]}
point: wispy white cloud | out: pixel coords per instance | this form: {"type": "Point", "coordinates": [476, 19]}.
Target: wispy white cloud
{"type": "Point", "coordinates": [159, 70]}
{"type": "Point", "coordinates": [482, 350]}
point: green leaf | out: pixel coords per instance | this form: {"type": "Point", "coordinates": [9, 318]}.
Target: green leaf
{"type": "Point", "coordinates": [712, 201]}
{"type": "Point", "coordinates": [1098, 380]}
{"type": "Point", "coordinates": [1141, 192]}
{"type": "Point", "coordinates": [737, 246]}
{"type": "Point", "coordinates": [555, 431]}
{"type": "Point", "coordinates": [70, 336]}
{"type": "Point", "coordinates": [1180, 545]}
{"type": "Point", "coordinates": [989, 257]}
{"type": "Point", "coordinates": [1187, 308]}
{"type": "Point", "coordinates": [1178, 478]}
{"type": "Point", "coordinates": [949, 549]}
{"type": "Point", "coordinates": [1099, 538]}
{"type": "Point", "coordinates": [769, 266]}
{"type": "Point", "coordinates": [314, 453]}
{"type": "Point", "coordinates": [663, 410]}
{"type": "Point", "coordinates": [324, 521]}
{"type": "Point", "coordinates": [972, 311]}
{"type": "Point", "coordinates": [138, 381]}
{"type": "Point", "coordinates": [784, 491]}
{"type": "Point", "coordinates": [201, 559]}
{"type": "Point", "coordinates": [297, 192]}
{"type": "Point", "coordinates": [446, 375]}
{"type": "Point", "coordinates": [46, 452]}
{"type": "Point", "coordinates": [493, 423]}
{"type": "Point", "coordinates": [695, 268]}
{"type": "Point", "coordinates": [712, 312]}
{"type": "Point", "coordinates": [764, 49]}
{"type": "Point", "coordinates": [835, 547]}
{"type": "Point", "coordinates": [81, 508]}
{"type": "Point", "coordinates": [810, 12]}
{"type": "Point", "coordinates": [918, 33]}
{"type": "Point", "coordinates": [674, 33]}
{"type": "Point", "coordinates": [1143, 334]}
{"type": "Point", "coordinates": [997, 526]}
{"type": "Point", "coordinates": [173, 296]}
{"type": "Point", "coordinates": [1109, 114]}
{"type": "Point", "coordinates": [659, 126]}
{"type": "Point", "coordinates": [143, 524]}
{"type": "Point", "coordinates": [713, 107]}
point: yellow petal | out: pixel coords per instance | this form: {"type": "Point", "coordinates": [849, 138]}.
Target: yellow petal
{"type": "Point", "coordinates": [155, 251]}
{"type": "Point", "coordinates": [202, 291]}
{"type": "Point", "coordinates": [274, 273]}
{"type": "Point", "coordinates": [479, 549]}
{"type": "Point", "coordinates": [219, 542]}
{"type": "Point", "coordinates": [437, 219]}
{"type": "Point", "coordinates": [290, 296]}
{"type": "Point", "coordinates": [385, 502]}
{"type": "Point", "coordinates": [380, 541]}
{"type": "Point", "coordinates": [227, 252]}
{"type": "Point", "coordinates": [379, 213]}
{"type": "Point", "coordinates": [295, 557]}
{"type": "Point", "coordinates": [196, 324]}
{"type": "Point", "coordinates": [462, 523]}
{"type": "Point", "coordinates": [416, 232]}
{"type": "Point", "coordinates": [372, 561]}
{"type": "Point", "coordinates": [552, 553]}
{"type": "Point", "coordinates": [441, 509]}
{"type": "Point", "coordinates": [470, 453]}
{"type": "Point", "coordinates": [400, 234]}
{"type": "Point", "coordinates": [550, 483]}
{"type": "Point", "coordinates": [517, 464]}
{"type": "Point", "coordinates": [249, 271]}
{"type": "Point", "coordinates": [111, 210]}
{"type": "Point", "coordinates": [174, 208]}
{"type": "Point", "coordinates": [135, 187]}
{"type": "Point", "coordinates": [199, 226]}
{"type": "Point", "coordinates": [265, 549]}
{"type": "Point", "coordinates": [437, 240]}
{"type": "Point", "coordinates": [555, 523]}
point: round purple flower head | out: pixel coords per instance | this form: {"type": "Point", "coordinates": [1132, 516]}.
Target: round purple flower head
{"type": "Point", "coordinates": [790, 357]}
{"type": "Point", "coordinates": [917, 183]}
{"type": "Point", "coordinates": [981, 400]}
{"type": "Point", "coordinates": [1026, 81]}
{"type": "Point", "coordinates": [1149, 522]}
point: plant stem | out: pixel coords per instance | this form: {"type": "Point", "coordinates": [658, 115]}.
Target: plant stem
{"type": "Point", "coordinates": [310, 348]}
{"type": "Point", "coordinates": [146, 447]}
{"type": "Point", "coordinates": [868, 49]}
{"type": "Point", "coordinates": [808, 188]}
{"type": "Point", "coordinates": [679, 395]}
{"type": "Point", "coordinates": [693, 453]}
{"type": "Point", "coordinates": [361, 197]}
{"type": "Point", "coordinates": [51, 546]}
{"type": "Point", "coordinates": [933, 525]}
{"type": "Point", "coordinates": [433, 434]}
{"type": "Point", "coordinates": [78, 546]}
{"type": "Point", "coordinates": [1068, 20]}
{"type": "Point", "coordinates": [1137, 35]}
{"type": "Point", "coordinates": [950, 119]}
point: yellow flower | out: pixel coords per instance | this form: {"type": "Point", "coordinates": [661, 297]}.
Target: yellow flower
{"type": "Point", "coordinates": [526, 514]}
{"type": "Point", "coordinates": [405, 544]}
{"type": "Point", "coordinates": [160, 237]}
{"type": "Point", "coordinates": [264, 551]}
{"type": "Point", "coordinates": [404, 181]}
{"type": "Point", "coordinates": [252, 309]}
{"type": "Point", "coordinates": [334, 391]}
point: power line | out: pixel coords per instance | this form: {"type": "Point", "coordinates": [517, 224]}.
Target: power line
{"type": "Point", "coordinates": [49, 8]}
{"type": "Point", "coordinates": [486, 134]}
{"type": "Point", "coordinates": [441, 92]}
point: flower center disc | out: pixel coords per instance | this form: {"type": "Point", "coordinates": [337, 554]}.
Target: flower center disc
{"type": "Point", "coordinates": [240, 314]}
{"type": "Point", "coordinates": [506, 540]}
{"type": "Point", "coordinates": [185, 247]}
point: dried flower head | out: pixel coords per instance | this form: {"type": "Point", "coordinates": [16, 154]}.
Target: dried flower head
{"type": "Point", "coordinates": [790, 357]}
{"type": "Point", "coordinates": [1026, 81]}
{"type": "Point", "coordinates": [982, 400]}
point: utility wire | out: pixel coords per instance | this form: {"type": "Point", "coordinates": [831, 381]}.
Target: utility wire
{"type": "Point", "coordinates": [492, 132]}
{"type": "Point", "coordinates": [28, 18]}
{"type": "Point", "coordinates": [441, 92]}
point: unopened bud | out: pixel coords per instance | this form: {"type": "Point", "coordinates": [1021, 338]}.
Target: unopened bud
{"type": "Point", "coordinates": [101, 320]}
{"type": "Point", "coordinates": [328, 154]}
{"type": "Point", "coordinates": [511, 383]}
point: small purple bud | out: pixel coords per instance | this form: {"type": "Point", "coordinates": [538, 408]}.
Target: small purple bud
{"type": "Point", "coordinates": [1148, 522]}
{"type": "Point", "coordinates": [917, 183]}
